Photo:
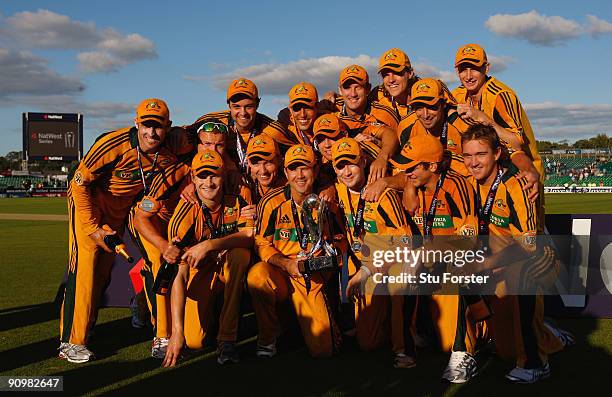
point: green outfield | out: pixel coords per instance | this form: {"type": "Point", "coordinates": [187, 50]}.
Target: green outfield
{"type": "Point", "coordinates": [34, 256]}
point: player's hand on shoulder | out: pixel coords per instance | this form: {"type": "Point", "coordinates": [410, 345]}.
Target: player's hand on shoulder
{"type": "Point", "coordinates": [188, 194]}
{"type": "Point", "coordinates": [532, 187]}
{"type": "Point", "coordinates": [374, 190]}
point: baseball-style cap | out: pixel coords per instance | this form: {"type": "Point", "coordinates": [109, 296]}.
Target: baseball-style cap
{"type": "Point", "coordinates": [242, 86]}
{"type": "Point", "coordinates": [262, 147]}
{"type": "Point", "coordinates": [300, 155]}
{"type": "Point", "coordinates": [303, 93]}
{"type": "Point", "coordinates": [328, 125]}
{"type": "Point", "coordinates": [471, 53]}
{"type": "Point", "coordinates": [153, 109]}
{"type": "Point", "coordinates": [420, 148]}
{"type": "Point", "coordinates": [207, 161]}
{"type": "Point", "coordinates": [346, 149]}
{"type": "Point", "coordinates": [354, 72]}
{"type": "Point", "coordinates": [394, 59]}
{"type": "Point", "coordinates": [427, 91]}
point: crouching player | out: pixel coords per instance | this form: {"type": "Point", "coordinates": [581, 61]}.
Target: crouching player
{"type": "Point", "coordinates": [384, 217]}
{"type": "Point", "coordinates": [218, 259]}
{"type": "Point", "coordinates": [506, 214]}
{"type": "Point", "coordinates": [277, 279]}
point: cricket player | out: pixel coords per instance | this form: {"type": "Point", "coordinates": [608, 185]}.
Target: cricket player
{"type": "Point", "coordinates": [485, 100]}
{"type": "Point", "coordinates": [510, 218]}
{"type": "Point", "coordinates": [447, 209]}
{"type": "Point", "coordinates": [277, 278]}
{"type": "Point", "coordinates": [117, 169]}
{"type": "Point", "coordinates": [218, 257]}
{"type": "Point", "coordinates": [303, 109]}
{"type": "Point", "coordinates": [367, 120]}
{"type": "Point", "coordinates": [375, 310]}
{"type": "Point", "coordinates": [264, 166]}
{"type": "Point", "coordinates": [243, 121]}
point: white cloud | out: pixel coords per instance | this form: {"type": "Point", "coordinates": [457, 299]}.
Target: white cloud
{"type": "Point", "coordinates": [552, 120]}
{"type": "Point", "coordinates": [109, 50]}
{"type": "Point", "coordinates": [22, 73]}
{"type": "Point", "coordinates": [46, 29]}
{"type": "Point", "coordinates": [597, 27]}
{"type": "Point", "coordinates": [534, 27]}
{"type": "Point", "coordinates": [277, 78]}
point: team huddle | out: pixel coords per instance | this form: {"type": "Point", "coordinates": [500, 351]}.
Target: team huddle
{"type": "Point", "coordinates": [225, 202]}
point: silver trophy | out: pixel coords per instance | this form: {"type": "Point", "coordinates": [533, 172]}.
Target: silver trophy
{"type": "Point", "coordinates": [319, 235]}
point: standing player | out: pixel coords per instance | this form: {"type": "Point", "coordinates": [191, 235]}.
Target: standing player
{"type": "Point", "coordinates": [119, 166]}
{"type": "Point", "coordinates": [277, 278]}
{"type": "Point", "coordinates": [506, 214]}
{"type": "Point", "coordinates": [372, 311]}
{"type": "Point", "coordinates": [485, 100]}
{"type": "Point", "coordinates": [219, 240]}
{"type": "Point", "coordinates": [398, 78]}
{"type": "Point", "coordinates": [303, 110]}
{"type": "Point", "coordinates": [243, 121]}
{"type": "Point", "coordinates": [366, 119]}
{"type": "Point", "coordinates": [447, 205]}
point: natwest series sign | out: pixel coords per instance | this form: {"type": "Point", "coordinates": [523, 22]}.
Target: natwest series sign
{"type": "Point", "coordinates": [52, 136]}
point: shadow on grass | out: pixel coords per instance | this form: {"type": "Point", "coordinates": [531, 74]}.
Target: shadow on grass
{"type": "Point", "coordinates": [575, 370]}
{"type": "Point", "coordinates": [110, 337]}
{"type": "Point", "coordinates": [28, 315]}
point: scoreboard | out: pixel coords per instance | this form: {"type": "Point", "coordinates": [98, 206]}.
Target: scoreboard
{"type": "Point", "coordinates": [52, 136]}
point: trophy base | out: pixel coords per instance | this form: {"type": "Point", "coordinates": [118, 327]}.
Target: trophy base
{"type": "Point", "coordinates": [320, 264]}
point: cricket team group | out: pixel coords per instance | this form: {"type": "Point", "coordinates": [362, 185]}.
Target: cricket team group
{"type": "Point", "coordinates": [233, 203]}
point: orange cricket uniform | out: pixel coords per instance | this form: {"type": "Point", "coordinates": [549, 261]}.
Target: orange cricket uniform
{"type": "Point", "coordinates": [375, 115]}
{"type": "Point", "coordinates": [263, 124]}
{"type": "Point", "coordinates": [102, 191]}
{"type": "Point", "coordinates": [226, 271]}
{"type": "Point", "coordinates": [375, 312]}
{"type": "Point", "coordinates": [517, 325]}
{"type": "Point", "coordinates": [161, 201]}
{"type": "Point", "coordinates": [411, 126]}
{"type": "Point", "coordinates": [270, 285]}
{"type": "Point", "coordinates": [500, 103]}
{"type": "Point", "coordinates": [454, 215]}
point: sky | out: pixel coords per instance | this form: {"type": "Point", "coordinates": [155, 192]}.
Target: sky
{"type": "Point", "coordinates": [102, 58]}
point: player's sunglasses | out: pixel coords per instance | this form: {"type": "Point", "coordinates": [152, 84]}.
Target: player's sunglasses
{"type": "Point", "coordinates": [211, 126]}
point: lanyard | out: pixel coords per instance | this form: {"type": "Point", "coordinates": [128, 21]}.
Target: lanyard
{"type": "Point", "coordinates": [428, 218]}
{"type": "Point", "coordinates": [444, 135]}
{"type": "Point", "coordinates": [215, 232]}
{"type": "Point", "coordinates": [302, 235]}
{"type": "Point", "coordinates": [484, 213]}
{"type": "Point", "coordinates": [144, 178]}
{"type": "Point", "coordinates": [358, 221]}
{"type": "Point", "coordinates": [242, 146]}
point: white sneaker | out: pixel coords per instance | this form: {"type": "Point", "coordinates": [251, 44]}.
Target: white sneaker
{"type": "Point", "coordinates": [524, 375]}
{"type": "Point", "coordinates": [159, 347]}
{"type": "Point", "coordinates": [266, 351]}
{"type": "Point", "coordinates": [461, 368]}
{"type": "Point", "coordinates": [566, 337]}
{"type": "Point", "coordinates": [75, 353]}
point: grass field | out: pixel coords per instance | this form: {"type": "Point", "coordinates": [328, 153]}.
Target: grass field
{"type": "Point", "coordinates": [34, 256]}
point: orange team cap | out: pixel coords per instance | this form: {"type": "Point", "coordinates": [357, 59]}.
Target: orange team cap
{"type": "Point", "coordinates": [394, 59]}
{"type": "Point", "coordinates": [471, 53]}
{"type": "Point", "coordinates": [427, 91]}
{"type": "Point", "coordinates": [346, 149]}
{"type": "Point", "coordinates": [153, 109]}
{"type": "Point", "coordinates": [207, 161]}
{"type": "Point", "coordinates": [300, 155]}
{"type": "Point", "coordinates": [354, 72]}
{"type": "Point", "coordinates": [420, 148]}
{"type": "Point", "coordinates": [242, 86]}
{"type": "Point", "coordinates": [303, 93]}
{"type": "Point", "coordinates": [328, 125]}
{"type": "Point", "coordinates": [263, 147]}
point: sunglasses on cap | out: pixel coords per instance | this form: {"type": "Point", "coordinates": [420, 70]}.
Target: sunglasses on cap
{"type": "Point", "coordinates": [212, 126]}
